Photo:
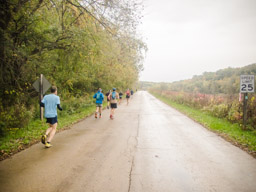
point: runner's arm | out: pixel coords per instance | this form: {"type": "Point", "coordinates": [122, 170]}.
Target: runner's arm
{"type": "Point", "coordinates": [59, 107]}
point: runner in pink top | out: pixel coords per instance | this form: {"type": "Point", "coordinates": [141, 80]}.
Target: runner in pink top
{"type": "Point", "coordinates": [127, 95]}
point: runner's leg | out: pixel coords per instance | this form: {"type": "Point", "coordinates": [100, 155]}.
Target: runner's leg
{"type": "Point", "coordinates": [52, 132]}
{"type": "Point", "coordinates": [96, 113]}
{"type": "Point", "coordinates": [100, 110]}
{"type": "Point", "coordinates": [111, 113]}
{"type": "Point", "coordinates": [48, 130]}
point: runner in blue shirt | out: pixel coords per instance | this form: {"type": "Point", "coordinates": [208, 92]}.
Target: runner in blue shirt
{"type": "Point", "coordinates": [50, 102]}
{"type": "Point", "coordinates": [99, 100]}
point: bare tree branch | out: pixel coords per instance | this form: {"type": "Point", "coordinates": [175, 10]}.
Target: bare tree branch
{"type": "Point", "coordinates": [87, 11]}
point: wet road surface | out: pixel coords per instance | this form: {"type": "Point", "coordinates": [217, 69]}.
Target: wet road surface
{"type": "Point", "coordinates": [148, 147]}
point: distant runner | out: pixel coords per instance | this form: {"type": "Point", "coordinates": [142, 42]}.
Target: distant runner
{"type": "Point", "coordinates": [127, 95]}
{"type": "Point", "coordinates": [99, 100]}
{"type": "Point", "coordinates": [50, 102]}
{"type": "Point", "coordinates": [113, 102]}
{"type": "Point", "coordinates": [131, 93]}
{"type": "Point", "coordinates": [107, 94]}
{"type": "Point", "coordinates": [120, 97]}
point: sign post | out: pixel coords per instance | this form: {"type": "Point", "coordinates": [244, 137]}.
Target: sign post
{"type": "Point", "coordinates": [41, 85]}
{"type": "Point", "coordinates": [245, 110]}
{"type": "Point", "coordinates": [41, 95]}
{"type": "Point", "coordinates": [246, 86]}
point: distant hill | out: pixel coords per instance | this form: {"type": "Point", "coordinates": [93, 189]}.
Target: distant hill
{"type": "Point", "coordinates": [222, 81]}
{"type": "Point", "coordinates": [145, 85]}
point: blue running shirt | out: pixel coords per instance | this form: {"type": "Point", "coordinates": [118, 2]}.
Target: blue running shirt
{"type": "Point", "coordinates": [50, 103]}
{"type": "Point", "coordinates": [99, 97]}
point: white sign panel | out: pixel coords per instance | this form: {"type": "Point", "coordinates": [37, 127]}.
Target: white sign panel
{"type": "Point", "coordinates": [46, 85]}
{"type": "Point", "coordinates": [247, 83]}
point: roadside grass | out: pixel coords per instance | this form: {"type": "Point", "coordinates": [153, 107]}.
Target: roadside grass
{"type": "Point", "coordinates": [245, 139]}
{"type": "Point", "coordinates": [19, 139]}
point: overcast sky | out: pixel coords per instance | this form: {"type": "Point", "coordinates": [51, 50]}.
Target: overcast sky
{"type": "Point", "coordinates": [189, 37]}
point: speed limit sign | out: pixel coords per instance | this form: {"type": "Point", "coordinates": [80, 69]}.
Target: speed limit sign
{"type": "Point", "coordinates": [247, 83]}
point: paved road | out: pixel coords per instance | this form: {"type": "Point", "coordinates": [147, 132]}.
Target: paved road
{"type": "Point", "coordinates": [149, 147]}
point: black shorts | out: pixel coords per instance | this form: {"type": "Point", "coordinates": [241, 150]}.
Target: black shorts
{"type": "Point", "coordinates": [127, 96]}
{"type": "Point", "coordinates": [52, 120]}
{"type": "Point", "coordinates": [113, 105]}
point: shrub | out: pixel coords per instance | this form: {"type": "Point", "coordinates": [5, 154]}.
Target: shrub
{"type": "Point", "coordinates": [220, 110]}
{"type": "Point", "coordinates": [235, 113]}
{"type": "Point", "coordinates": [16, 116]}
{"type": "Point", "coordinates": [221, 105]}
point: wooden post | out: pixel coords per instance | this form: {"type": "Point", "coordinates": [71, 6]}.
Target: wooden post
{"type": "Point", "coordinates": [245, 110]}
{"type": "Point", "coordinates": [41, 96]}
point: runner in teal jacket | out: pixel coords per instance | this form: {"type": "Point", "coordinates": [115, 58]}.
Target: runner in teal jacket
{"type": "Point", "coordinates": [99, 101]}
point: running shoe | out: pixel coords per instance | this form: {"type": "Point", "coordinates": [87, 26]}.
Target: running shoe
{"type": "Point", "coordinates": [48, 145]}
{"type": "Point", "coordinates": [111, 117]}
{"type": "Point", "coordinates": [43, 139]}
{"type": "Point", "coordinates": [100, 115]}
{"type": "Point", "coordinates": [96, 115]}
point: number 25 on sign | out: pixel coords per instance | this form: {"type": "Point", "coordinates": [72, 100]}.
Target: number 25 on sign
{"type": "Point", "coordinates": [247, 83]}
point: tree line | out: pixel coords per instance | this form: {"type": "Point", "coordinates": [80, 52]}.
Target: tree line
{"type": "Point", "coordinates": [223, 81]}
{"type": "Point", "coordinates": [213, 92]}
{"type": "Point", "coordinates": [79, 45]}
